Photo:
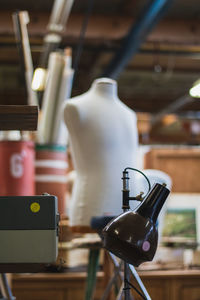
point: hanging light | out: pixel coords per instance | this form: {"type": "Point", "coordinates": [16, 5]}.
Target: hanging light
{"type": "Point", "coordinates": [195, 90]}
{"type": "Point", "coordinates": [39, 79]}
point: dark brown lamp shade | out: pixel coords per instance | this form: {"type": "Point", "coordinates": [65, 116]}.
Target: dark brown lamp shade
{"type": "Point", "coordinates": [133, 235]}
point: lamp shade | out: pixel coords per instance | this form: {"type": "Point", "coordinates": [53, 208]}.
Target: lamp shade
{"type": "Point", "coordinates": [133, 235]}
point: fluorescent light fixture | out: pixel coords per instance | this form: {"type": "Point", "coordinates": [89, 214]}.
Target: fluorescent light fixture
{"type": "Point", "coordinates": [39, 80]}
{"type": "Point", "coordinates": [195, 90]}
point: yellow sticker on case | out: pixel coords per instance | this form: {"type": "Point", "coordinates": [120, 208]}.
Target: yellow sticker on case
{"type": "Point", "coordinates": [35, 207]}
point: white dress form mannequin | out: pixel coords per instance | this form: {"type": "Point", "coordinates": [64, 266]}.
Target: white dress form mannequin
{"type": "Point", "coordinates": [104, 140]}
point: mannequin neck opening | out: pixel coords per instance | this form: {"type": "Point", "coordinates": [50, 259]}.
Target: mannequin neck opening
{"type": "Point", "coordinates": [105, 87]}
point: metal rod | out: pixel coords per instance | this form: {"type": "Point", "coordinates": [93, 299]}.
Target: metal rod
{"type": "Point", "coordinates": [172, 107]}
{"type": "Point", "coordinates": [120, 294]}
{"type": "Point", "coordinates": [111, 281]}
{"type": "Point", "coordinates": [126, 266]}
{"type": "Point", "coordinates": [6, 288]}
{"type": "Point", "coordinates": [127, 289]}
{"type": "Point", "coordinates": [139, 281]}
{"type": "Point", "coordinates": [150, 16]}
{"type": "Point", "coordinates": [116, 264]}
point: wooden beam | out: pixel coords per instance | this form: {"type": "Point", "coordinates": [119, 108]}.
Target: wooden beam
{"type": "Point", "coordinates": [155, 105]}
{"type": "Point", "coordinates": [107, 28]}
{"type": "Point", "coordinates": [18, 117]}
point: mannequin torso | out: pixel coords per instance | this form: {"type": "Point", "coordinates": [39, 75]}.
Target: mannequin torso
{"type": "Point", "coordinates": [104, 140]}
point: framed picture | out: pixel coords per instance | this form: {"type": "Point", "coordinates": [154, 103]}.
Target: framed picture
{"type": "Point", "coordinates": [182, 219]}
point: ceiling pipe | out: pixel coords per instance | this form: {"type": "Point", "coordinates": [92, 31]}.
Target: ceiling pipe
{"type": "Point", "coordinates": [150, 16]}
{"type": "Point", "coordinates": [172, 108]}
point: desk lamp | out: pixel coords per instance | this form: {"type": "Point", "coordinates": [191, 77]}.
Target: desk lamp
{"type": "Point", "coordinates": [133, 235]}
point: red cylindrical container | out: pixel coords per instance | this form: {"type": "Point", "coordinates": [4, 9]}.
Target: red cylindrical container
{"type": "Point", "coordinates": [17, 170]}
{"type": "Point", "coordinates": [51, 170]}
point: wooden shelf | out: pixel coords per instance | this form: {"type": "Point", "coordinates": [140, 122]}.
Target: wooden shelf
{"type": "Point", "coordinates": [18, 117]}
{"type": "Point", "coordinates": [182, 164]}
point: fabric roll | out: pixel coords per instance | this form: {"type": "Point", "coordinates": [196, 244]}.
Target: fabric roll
{"type": "Point", "coordinates": [50, 98]}
{"type": "Point", "coordinates": [59, 130]}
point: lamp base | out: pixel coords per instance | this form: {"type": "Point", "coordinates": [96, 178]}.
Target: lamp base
{"type": "Point", "coordinates": [124, 277]}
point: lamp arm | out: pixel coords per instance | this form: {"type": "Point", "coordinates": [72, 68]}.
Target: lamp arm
{"type": "Point", "coordinates": [126, 191]}
{"type": "Point", "coordinates": [136, 170]}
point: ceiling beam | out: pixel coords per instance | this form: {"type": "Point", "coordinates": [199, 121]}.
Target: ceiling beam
{"type": "Point", "coordinates": [172, 108]}
{"type": "Point", "coordinates": [140, 104]}
{"type": "Point", "coordinates": [105, 28]}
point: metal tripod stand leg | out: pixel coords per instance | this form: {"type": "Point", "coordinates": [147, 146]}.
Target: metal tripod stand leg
{"type": "Point", "coordinates": [139, 281]}
{"type": "Point", "coordinates": [127, 289]}
{"type": "Point", "coordinates": [121, 292]}
{"type": "Point", "coordinates": [124, 292]}
{"type": "Point", "coordinates": [114, 277]}
{"type": "Point", "coordinates": [6, 289]}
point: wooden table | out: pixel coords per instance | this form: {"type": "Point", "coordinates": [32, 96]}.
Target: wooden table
{"type": "Point", "coordinates": [161, 285]}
